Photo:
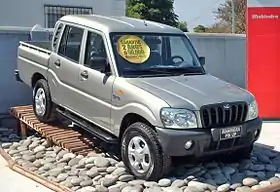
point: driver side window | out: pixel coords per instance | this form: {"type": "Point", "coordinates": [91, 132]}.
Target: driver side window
{"type": "Point", "coordinates": [178, 48]}
{"type": "Point", "coordinates": [95, 53]}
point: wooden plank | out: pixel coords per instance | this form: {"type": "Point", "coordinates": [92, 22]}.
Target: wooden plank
{"type": "Point", "coordinates": [23, 130]}
{"type": "Point", "coordinates": [66, 139]}
{"type": "Point", "coordinates": [49, 127]}
{"type": "Point", "coordinates": [40, 127]}
{"type": "Point", "coordinates": [21, 109]}
{"type": "Point", "coordinates": [65, 136]}
{"type": "Point", "coordinates": [31, 120]}
{"type": "Point", "coordinates": [35, 122]}
{"type": "Point", "coordinates": [70, 145]}
{"type": "Point", "coordinates": [73, 140]}
{"type": "Point", "coordinates": [25, 112]}
{"type": "Point", "coordinates": [79, 148]}
{"type": "Point", "coordinates": [58, 132]}
{"type": "Point", "coordinates": [55, 134]}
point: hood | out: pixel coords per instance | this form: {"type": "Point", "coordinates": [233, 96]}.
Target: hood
{"type": "Point", "coordinates": [192, 92]}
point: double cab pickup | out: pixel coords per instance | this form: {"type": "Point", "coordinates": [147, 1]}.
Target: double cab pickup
{"type": "Point", "coordinates": [139, 85]}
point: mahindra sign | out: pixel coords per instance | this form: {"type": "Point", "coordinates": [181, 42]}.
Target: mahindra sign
{"type": "Point", "coordinates": [263, 55]}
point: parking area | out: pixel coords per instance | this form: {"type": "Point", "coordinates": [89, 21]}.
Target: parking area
{"type": "Point", "coordinates": [270, 136]}
{"type": "Point", "coordinates": [11, 181]}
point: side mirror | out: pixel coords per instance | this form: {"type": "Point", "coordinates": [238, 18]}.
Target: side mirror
{"type": "Point", "coordinates": [201, 60]}
{"type": "Point", "coordinates": [102, 65]}
{"type": "Point", "coordinates": [107, 69]}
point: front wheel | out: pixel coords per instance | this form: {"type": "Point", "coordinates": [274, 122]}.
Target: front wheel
{"type": "Point", "coordinates": [246, 152]}
{"type": "Point", "coordinates": [241, 154]}
{"type": "Point", "coordinates": [43, 106]}
{"type": "Point", "coordinates": [142, 153]}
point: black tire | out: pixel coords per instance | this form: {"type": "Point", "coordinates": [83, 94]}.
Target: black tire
{"type": "Point", "coordinates": [49, 115]}
{"type": "Point", "coordinates": [245, 153]}
{"type": "Point", "coordinates": [241, 154]}
{"type": "Point", "coordinates": [160, 162]}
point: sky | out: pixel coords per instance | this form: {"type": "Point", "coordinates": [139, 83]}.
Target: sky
{"type": "Point", "coordinates": [196, 12]}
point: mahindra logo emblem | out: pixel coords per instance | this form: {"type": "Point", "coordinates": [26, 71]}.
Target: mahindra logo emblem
{"type": "Point", "coordinates": [226, 106]}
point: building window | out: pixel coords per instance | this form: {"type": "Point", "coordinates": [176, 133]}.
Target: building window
{"type": "Point", "coordinates": [55, 12]}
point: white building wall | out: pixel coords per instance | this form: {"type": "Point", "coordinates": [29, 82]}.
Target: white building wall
{"type": "Point", "coordinates": [225, 55]}
{"type": "Point", "coordinates": [30, 12]}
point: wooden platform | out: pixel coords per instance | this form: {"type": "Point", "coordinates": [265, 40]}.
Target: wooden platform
{"type": "Point", "coordinates": [60, 135]}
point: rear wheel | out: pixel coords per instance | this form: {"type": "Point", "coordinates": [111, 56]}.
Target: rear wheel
{"type": "Point", "coordinates": [142, 153]}
{"type": "Point", "coordinates": [43, 106]}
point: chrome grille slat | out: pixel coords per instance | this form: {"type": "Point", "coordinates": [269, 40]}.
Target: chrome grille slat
{"type": "Point", "coordinates": [216, 115]}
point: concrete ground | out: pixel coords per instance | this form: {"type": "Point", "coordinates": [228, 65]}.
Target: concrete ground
{"type": "Point", "coordinates": [270, 135]}
{"type": "Point", "coordinates": [12, 182]}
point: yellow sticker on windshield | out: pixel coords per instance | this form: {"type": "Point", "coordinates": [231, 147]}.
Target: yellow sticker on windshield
{"type": "Point", "coordinates": [133, 49]}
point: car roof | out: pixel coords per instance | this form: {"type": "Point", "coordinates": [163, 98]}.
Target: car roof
{"type": "Point", "coordinates": [120, 24]}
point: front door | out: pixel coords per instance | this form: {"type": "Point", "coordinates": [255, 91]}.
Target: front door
{"type": "Point", "coordinates": [95, 86]}
{"type": "Point", "coordinates": [64, 69]}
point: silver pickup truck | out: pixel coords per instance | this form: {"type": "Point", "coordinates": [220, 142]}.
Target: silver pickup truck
{"type": "Point", "coordinates": [141, 85]}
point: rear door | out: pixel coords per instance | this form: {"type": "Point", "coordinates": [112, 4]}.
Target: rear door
{"type": "Point", "coordinates": [65, 66]}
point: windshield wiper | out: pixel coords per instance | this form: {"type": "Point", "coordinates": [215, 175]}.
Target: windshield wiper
{"type": "Point", "coordinates": [157, 70]}
{"type": "Point", "coordinates": [150, 71]}
{"type": "Point", "coordinates": [166, 71]}
{"type": "Point", "coordinates": [181, 70]}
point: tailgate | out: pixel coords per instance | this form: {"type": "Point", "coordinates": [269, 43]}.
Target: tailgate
{"type": "Point", "coordinates": [32, 59]}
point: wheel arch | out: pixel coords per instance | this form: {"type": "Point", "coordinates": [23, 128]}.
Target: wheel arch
{"type": "Point", "coordinates": [36, 77]}
{"type": "Point", "coordinates": [131, 118]}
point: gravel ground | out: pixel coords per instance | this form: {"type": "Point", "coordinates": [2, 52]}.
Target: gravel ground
{"type": "Point", "coordinates": [99, 173]}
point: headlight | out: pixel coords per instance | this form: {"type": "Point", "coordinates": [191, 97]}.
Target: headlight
{"type": "Point", "coordinates": [178, 118]}
{"type": "Point", "coordinates": [253, 111]}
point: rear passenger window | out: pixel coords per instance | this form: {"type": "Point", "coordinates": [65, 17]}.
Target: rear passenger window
{"type": "Point", "coordinates": [71, 43]}
{"type": "Point", "coordinates": [57, 35]}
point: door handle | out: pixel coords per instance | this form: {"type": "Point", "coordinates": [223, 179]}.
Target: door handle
{"type": "Point", "coordinates": [84, 74]}
{"type": "Point", "coordinates": [57, 63]}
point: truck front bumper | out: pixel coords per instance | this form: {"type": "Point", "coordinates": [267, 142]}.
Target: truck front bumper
{"type": "Point", "coordinates": [206, 141]}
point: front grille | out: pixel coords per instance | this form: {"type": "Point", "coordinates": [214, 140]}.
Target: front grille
{"type": "Point", "coordinates": [223, 114]}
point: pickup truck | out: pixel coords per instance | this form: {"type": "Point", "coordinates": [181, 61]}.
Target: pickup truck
{"type": "Point", "coordinates": [139, 85]}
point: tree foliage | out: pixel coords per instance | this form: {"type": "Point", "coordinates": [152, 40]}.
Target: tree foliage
{"type": "Point", "coordinates": [199, 29]}
{"type": "Point", "coordinates": [183, 26]}
{"type": "Point", "coordinates": [154, 10]}
{"type": "Point", "coordinates": [224, 17]}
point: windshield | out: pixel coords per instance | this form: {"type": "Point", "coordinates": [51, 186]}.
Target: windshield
{"type": "Point", "coordinates": [147, 54]}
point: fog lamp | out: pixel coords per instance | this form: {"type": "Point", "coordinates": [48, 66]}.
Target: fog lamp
{"type": "Point", "coordinates": [188, 144]}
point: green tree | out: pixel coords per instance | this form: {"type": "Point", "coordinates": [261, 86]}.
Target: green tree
{"type": "Point", "coordinates": [218, 28]}
{"type": "Point", "coordinates": [224, 17]}
{"type": "Point", "coordinates": [200, 29]}
{"type": "Point", "coordinates": [183, 26]}
{"type": "Point", "coordinates": [155, 10]}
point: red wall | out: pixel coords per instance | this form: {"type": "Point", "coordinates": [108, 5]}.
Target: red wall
{"type": "Point", "coordinates": [263, 58]}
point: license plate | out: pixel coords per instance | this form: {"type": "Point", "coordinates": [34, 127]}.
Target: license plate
{"type": "Point", "coordinates": [229, 133]}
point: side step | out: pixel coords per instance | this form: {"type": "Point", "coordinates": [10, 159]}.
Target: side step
{"type": "Point", "coordinates": [92, 129]}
